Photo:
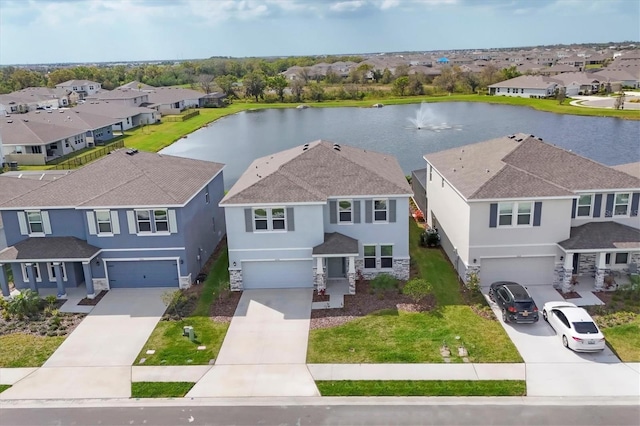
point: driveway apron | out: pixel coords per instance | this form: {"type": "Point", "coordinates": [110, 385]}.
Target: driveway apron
{"type": "Point", "coordinates": [553, 370]}
{"type": "Point", "coordinates": [264, 352]}
{"type": "Point", "coordinates": [95, 360]}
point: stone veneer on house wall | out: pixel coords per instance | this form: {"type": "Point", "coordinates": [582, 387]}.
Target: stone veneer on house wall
{"type": "Point", "coordinates": [185, 282]}
{"type": "Point", "coordinates": [558, 275]}
{"type": "Point", "coordinates": [100, 284]}
{"type": "Point", "coordinates": [472, 269]}
{"type": "Point", "coordinates": [587, 265]}
{"type": "Point", "coordinates": [235, 279]}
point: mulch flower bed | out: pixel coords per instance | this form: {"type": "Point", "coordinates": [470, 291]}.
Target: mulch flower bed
{"type": "Point", "coordinates": [93, 302]}
{"type": "Point", "coordinates": [47, 322]}
{"type": "Point", "coordinates": [364, 302]}
{"type": "Point", "coordinates": [320, 297]}
{"type": "Point", "coordinates": [569, 295]}
{"type": "Point", "coordinates": [224, 307]}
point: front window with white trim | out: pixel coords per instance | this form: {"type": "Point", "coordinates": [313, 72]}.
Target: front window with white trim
{"type": "Point", "coordinates": [524, 213]}
{"type": "Point", "coordinates": [161, 220]}
{"type": "Point", "coordinates": [143, 220]}
{"type": "Point", "coordinates": [36, 272]}
{"type": "Point", "coordinates": [622, 258]}
{"type": "Point", "coordinates": [379, 210]}
{"type": "Point", "coordinates": [514, 214]}
{"type": "Point", "coordinates": [34, 222]}
{"type": "Point", "coordinates": [369, 257]}
{"type": "Point", "coordinates": [621, 204]}
{"type": "Point", "coordinates": [386, 256]}
{"type": "Point", "coordinates": [103, 218]}
{"type": "Point", "coordinates": [584, 205]}
{"type": "Point", "coordinates": [505, 214]}
{"type": "Point", "coordinates": [345, 211]}
{"type": "Point", "coordinates": [270, 219]}
{"type": "Point", "coordinates": [52, 271]}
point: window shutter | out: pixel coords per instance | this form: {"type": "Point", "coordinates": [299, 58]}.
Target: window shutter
{"type": "Point", "coordinates": [574, 205]}
{"type": "Point", "coordinates": [333, 212]}
{"type": "Point", "coordinates": [635, 198]}
{"type": "Point", "coordinates": [46, 225]}
{"type": "Point", "coordinates": [609, 206]}
{"type": "Point", "coordinates": [368, 211]}
{"type": "Point", "coordinates": [131, 220]}
{"type": "Point", "coordinates": [493, 215]}
{"type": "Point", "coordinates": [597, 205]}
{"type": "Point", "coordinates": [248, 220]}
{"type": "Point", "coordinates": [115, 222]}
{"type": "Point", "coordinates": [356, 211]}
{"type": "Point", "coordinates": [173, 223]}
{"type": "Point", "coordinates": [392, 210]}
{"type": "Point", "coordinates": [22, 221]}
{"type": "Point", "coordinates": [537, 213]}
{"type": "Point", "coordinates": [91, 222]}
{"type": "Point", "coordinates": [291, 226]}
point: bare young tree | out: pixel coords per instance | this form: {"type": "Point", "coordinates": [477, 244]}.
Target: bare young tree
{"type": "Point", "coordinates": [205, 82]}
{"type": "Point", "coordinates": [619, 103]}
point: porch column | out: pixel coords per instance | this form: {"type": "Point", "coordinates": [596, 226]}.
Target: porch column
{"type": "Point", "coordinates": [352, 275]}
{"type": "Point", "coordinates": [4, 282]}
{"type": "Point", "coordinates": [321, 282]}
{"type": "Point", "coordinates": [568, 273]}
{"type": "Point", "coordinates": [88, 280]}
{"type": "Point", "coordinates": [31, 275]}
{"type": "Point", "coordinates": [600, 270]}
{"type": "Point", "coordinates": [62, 293]}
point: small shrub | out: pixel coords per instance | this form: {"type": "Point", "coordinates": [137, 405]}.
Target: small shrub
{"type": "Point", "coordinates": [174, 299]}
{"type": "Point", "coordinates": [473, 282]}
{"type": "Point", "coordinates": [24, 304]}
{"type": "Point", "coordinates": [384, 282]}
{"type": "Point", "coordinates": [417, 289]}
{"type": "Point", "coordinates": [50, 300]}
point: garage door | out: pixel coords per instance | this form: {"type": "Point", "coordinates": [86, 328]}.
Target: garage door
{"type": "Point", "coordinates": [142, 273]}
{"type": "Point", "coordinates": [523, 270]}
{"type": "Point", "coordinates": [282, 274]}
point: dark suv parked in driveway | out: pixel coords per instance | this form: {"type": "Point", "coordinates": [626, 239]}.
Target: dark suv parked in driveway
{"type": "Point", "coordinates": [514, 301]}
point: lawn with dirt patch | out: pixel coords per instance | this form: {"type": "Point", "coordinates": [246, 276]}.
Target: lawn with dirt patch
{"type": "Point", "coordinates": [422, 388]}
{"type": "Point", "coordinates": [207, 307]}
{"type": "Point", "coordinates": [160, 389]}
{"type": "Point", "coordinates": [395, 335]}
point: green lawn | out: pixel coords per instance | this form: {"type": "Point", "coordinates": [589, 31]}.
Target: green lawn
{"type": "Point", "coordinates": [625, 340]}
{"type": "Point", "coordinates": [25, 350]}
{"type": "Point", "coordinates": [160, 389]}
{"type": "Point", "coordinates": [171, 347]}
{"type": "Point", "coordinates": [4, 388]}
{"type": "Point", "coordinates": [422, 388]}
{"type": "Point", "coordinates": [401, 337]}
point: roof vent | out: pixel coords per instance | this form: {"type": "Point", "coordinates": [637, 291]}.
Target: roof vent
{"type": "Point", "coordinates": [519, 140]}
{"type": "Point", "coordinates": [132, 151]}
{"type": "Point", "coordinates": [49, 112]}
{"type": "Point", "coordinates": [336, 148]}
{"type": "Point", "coordinates": [9, 121]}
{"type": "Point", "coordinates": [511, 136]}
{"type": "Point", "coordinates": [539, 138]}
{"type": "Point", "coordinates": [25, 120]}
{"type": "Point", "coordinates": [488, 170]}
{"type": "Point", "coordinates": [335, 145]}
{"type": "Point", "coordinates": [304, 148]}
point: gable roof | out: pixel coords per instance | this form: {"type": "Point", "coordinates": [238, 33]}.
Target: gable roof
{"type": "Point", "coordinates": [169, 95]}
{"type": "Point", "coordinates": [522, 165]}
{"type": "Point", "coordinates": [12, 187]}
{"type": "Point", "coordinates": [527, 82]}
{"type": "Point", "coordinates": [602, 235]}
{"type": "Point", "coordinates": [122, 180]}
{"type": "Point", "coordinates": [112, 109]}
{"type": "Point", "coordinates": [632, 169]}
{"type": "Point", "coordinates": [315, 172]}
{"type": "Point", "coordinates": [77, 83]}
{"type": "Point", "coordinates": [73, 118]}
{"type": "Point", "coordinates": [17, 131]}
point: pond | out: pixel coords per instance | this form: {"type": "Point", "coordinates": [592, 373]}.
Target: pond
{"type": "Point", "coordinates": [406, 131]}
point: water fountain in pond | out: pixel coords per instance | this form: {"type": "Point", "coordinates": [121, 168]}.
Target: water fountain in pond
{"type": "Point", "coordinates": [426, 120]}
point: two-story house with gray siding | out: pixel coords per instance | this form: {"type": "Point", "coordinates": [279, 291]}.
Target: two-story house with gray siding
{"type": "Point", "coordinates": [129, 219]}
{"type": "Point", "coordinates": [519, 209]}
{"type": "Point", "coordinates": [317, 212]}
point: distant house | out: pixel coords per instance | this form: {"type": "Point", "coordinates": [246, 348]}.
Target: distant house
{"type": "Point", "coordinates": [83, 88]}
{"type": "Point", "coordinates": [172, 100]}
{"type": "Point", "coordinates": [525, 86]}
{"type": "Point", "coordinates": [129, 219]}
{"type": "Point", "coordinates": [620, 78]}
{"type": "Point", "coordinates": [127, 116]}
{"type": "Point", "coordinates": [125, 97]}
{"type": "Point", "coordinates": [316, 214]}
{"type": "Point", "coordinates": [579, 83]}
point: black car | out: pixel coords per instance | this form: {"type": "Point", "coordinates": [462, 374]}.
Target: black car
{"type": "Point", "coordinates": [514, 301]}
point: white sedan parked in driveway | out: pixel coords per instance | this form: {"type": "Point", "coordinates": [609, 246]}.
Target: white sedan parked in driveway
{"type": "Point", "coordinates": [574, 326]}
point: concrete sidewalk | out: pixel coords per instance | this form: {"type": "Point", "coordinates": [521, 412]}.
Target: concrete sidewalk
{"type": "Point", "coordinates": [418, 371]}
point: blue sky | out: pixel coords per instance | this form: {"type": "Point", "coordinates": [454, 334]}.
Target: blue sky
{"type": "Point", "coordinates": [51, 31]}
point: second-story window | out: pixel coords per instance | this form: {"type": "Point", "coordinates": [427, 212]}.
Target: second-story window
{"type": "Point", "coordinates": [344, 211]}
{"type": "Point", "coordinates": [273, 219]}
{"type": "Point", "coordinates": [103, 218]}
{"type": "Point", "coordinates": [584, 205]}
{"type": "Point", "coordinates": [277, 219]}
{"type": "Point", "coordinates": [524, 213]}
{"type": "Point", "coordinates": [379, 210]}
{"type": "Point", "coordinates": [260, 219]}
{"type": "Point", "coordinates": [143, 219]}
{"type": "Point", "coordinates": [505, 214]}
{"type": "Point", "coordinates": [161, 220]}
{"type": "Point", "coordinates": [621, 206]}
{"type": "Point", "coordinates": [34, 221]}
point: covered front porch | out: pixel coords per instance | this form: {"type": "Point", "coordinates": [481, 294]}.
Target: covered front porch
{"type": "Point", "coordinates": [49, 262]}
{"type": "Point", "coordinates": [335, 262]}
{"type": "Point", "coordinates": [600, 255]}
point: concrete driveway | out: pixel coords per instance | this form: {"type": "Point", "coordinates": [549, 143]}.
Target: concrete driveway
{"type": "Point", "coordinates": [553, 370]}
{"type": "Point", "coordinates": [95, 360]}
{"type": "Point", "coordinates": [265, 350]}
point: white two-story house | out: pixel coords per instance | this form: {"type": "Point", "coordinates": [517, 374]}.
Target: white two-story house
{"type": "Point", "coordinates": [519, 209]}
{"type": "Point", "coordinates": [317, 212]}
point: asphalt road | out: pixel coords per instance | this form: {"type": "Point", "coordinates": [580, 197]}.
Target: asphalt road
{"type": "Point", "coordinates": [298, 415]}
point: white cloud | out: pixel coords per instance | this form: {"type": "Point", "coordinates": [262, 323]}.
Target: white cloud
{"type": "Point", "coordinates": [389, 4]}
{"type": "Point", "coordinates": [347, 6]}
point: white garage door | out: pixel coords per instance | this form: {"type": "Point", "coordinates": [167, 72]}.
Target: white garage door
{"type": "Point", "coordinates": [281, 274]}
{"type": "Point", "coordinates": [523, 270]}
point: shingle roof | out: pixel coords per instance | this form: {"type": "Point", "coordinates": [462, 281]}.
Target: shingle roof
{"type": "Point", "coordinates": [169, 95]}
{"type": "Point", "coordinates": [316, 173]}
{"type": "Point", "coordinates": [119, 179]}
{"type": "Point", "coordinates": [16, 131]}
{"type": "Point", "coordinates": [523, 166]}
{"type": "Point", "coordinates": [632, 169]}
{"type": "Point", "coordinates": [49, 248]}
{"type": "Point", "coordinates": [74, 118]}
{"type": "Point", "coordinates": [336, 243]}
{"type": "Point", "coordinates": [76, 83]}
{"type": "Point", "coordinates": [12, 187]}
{"type": "Point", "coordinates": [527, 82]}
{"type": "Point", "coordinates": [112, 109]}
{"type": "Point", "coordinates": [602, 235]}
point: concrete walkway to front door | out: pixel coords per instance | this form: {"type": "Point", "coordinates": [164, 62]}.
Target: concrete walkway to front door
{"type": "Point", "coordinates": [95, 360]}
{"type": "Point", "coordinates": [265, 350]}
